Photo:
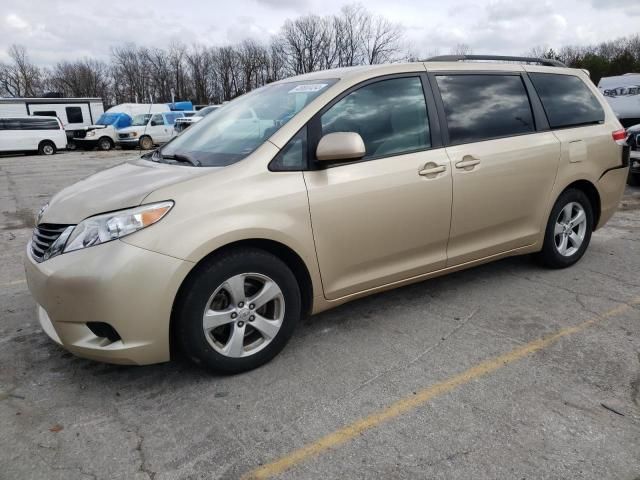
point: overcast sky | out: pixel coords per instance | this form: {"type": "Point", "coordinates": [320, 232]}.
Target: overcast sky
{"type": "Point", "coordinates": [55, 30]}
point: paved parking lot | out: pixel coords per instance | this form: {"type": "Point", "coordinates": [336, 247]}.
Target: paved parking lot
{"type": "Point", "coordinates": [502, 371]}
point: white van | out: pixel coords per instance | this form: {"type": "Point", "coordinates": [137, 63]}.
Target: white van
{"type": "Point", "coordinates": [74, 113]}
{"type": "Point", "coordinates": [148, 130]}
{"type": "Point", "coordinates": [104, 133]}
{"type": "Point", "coordinates": [45, 135]}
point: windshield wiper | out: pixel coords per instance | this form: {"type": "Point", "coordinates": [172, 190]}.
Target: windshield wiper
{"type": "Point", "coordinates": [177, 157]}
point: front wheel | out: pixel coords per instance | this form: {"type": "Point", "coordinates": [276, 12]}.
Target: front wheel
{"type": "Point", "coordinates": [568, 230]}
{"type": "Point", "coordinates": [146, 143]}
{"type": "Point", "coordinates": [105, 144]}
{"type": "Point", "coordinates": [237, 311]}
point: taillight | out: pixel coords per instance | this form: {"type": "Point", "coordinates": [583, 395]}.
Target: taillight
{"type": "Point", "coordinates": [620, 136]}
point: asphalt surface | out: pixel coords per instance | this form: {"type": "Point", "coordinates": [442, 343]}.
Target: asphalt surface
{"type": "Point", "coordinates": [448, 378]}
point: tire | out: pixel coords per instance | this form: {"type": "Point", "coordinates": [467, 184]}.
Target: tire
{"type": "Point", "coordinates": [216, 321]}
{"type": "Point", "coordinates": [146, 143]}
{"type": "Point", "coordinates": [633, 179]}
{"type": "Point", "coordinates": [105, 144]}
{"type": "Point", "coordinates": [568, 230]}
{"type": "Point", "coordinates": [71, 146]}
{"type": "Point", "coordinates": [47, 147]}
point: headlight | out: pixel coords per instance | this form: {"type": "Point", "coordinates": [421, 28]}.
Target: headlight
{"type": "Point", "coordinates": [111, 226]}
{"type": "Point", "coordinates": [134, 134]}
{"type": "Point", "coordinates": [91, 133]}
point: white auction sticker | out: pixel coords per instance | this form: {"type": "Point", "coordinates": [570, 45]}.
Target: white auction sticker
{"type": "Point", "coordinates": [313, 87]}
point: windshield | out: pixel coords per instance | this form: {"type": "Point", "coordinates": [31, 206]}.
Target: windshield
{"type": "Point", "coordinates": [242, 125]}
{"type": "Point", "coordinates": [140, 120]}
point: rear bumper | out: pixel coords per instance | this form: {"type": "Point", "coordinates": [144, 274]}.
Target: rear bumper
{"type": "Point", "coordinates": [611, 188]}
{"type": "Point", "coordinates": [127, 287]}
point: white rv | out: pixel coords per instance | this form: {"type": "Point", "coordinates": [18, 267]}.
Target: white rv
{"type": "Point", "coordinates": [623, 94]}
{"type": "Point", "coordinates": [103, 134]}
{"type": "Point", "coordinates": [74, 113]}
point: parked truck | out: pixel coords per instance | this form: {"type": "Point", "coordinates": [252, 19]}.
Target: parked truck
{"type": "Point", "coordinates": [104, 133]}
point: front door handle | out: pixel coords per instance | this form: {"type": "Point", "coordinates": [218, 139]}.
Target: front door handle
{"type": "Point", "coordinates": [431, 171]}
{"type": "Point", "coordinates": [467, 162]}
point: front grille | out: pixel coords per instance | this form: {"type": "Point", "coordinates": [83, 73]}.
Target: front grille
{"type": "Point", "coordinates": [123, 135]}
{"type": "Point", "coordinates": [43, 237]}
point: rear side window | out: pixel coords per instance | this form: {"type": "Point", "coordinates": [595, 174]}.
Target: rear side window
{"type": "Point", "coordinates": [567, 101]}
{"type": "Point", "coordinates": [34, 124]}
{"type": "Point", "coordinates": [390, 116]}
{"type": "Point", "coordinates": [74, 114]}
{"type": "Point", "coordinates": [482, 107]}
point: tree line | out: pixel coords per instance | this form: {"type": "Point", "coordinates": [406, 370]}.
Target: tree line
{"type": "Point", "coordinates": [205, 74]}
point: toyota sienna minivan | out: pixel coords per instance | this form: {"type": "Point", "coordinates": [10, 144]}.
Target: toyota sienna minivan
{"type": "Point", "coordinates": [319, 189]}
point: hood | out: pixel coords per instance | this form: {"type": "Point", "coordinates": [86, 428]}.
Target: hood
{"type": "Point", "coordinates": [131, 129]}
{"type": "Point", "coordinates": [114, 189]}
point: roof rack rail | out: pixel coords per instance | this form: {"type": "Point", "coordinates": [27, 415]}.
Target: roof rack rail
{"type": "Point", "coordinates": [548, 62]}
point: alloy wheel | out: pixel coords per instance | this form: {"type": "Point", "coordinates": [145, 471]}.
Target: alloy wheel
{"type": "Point", "coordinates": [570, 229]}
{"type": "Point", "coordinates": [243, 315]}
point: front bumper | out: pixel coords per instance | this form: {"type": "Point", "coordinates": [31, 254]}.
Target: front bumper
{"type": "Point", "coordinates": [127, 287]}
{"type": "Point", "coordinates": [128, 142]}
{"type": "Point", "coordinates": [86, 142]}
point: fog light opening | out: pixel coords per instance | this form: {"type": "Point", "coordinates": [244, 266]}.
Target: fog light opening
{"type": "Point", "coordinates": [104, 330]}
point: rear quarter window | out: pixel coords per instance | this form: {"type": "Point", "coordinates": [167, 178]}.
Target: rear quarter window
{"type": "Point", "coordinates": [567, 101]}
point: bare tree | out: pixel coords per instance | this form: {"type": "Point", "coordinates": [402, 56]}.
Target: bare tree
{"type": "Point", "coordinates": [20, 78]}
{"type": "Point", "coordinates": [382, 40]}
{"type": "Point", "coordinates": [81, 78]}
{"type": "Point", "coordinates": [461, 49]}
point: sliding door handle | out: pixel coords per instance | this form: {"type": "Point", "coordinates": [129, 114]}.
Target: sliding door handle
{"type": "Point", "coordinates": [467, 163]}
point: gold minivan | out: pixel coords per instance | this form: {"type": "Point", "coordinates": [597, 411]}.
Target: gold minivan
{"type": "Point", "coordinates": [316, 190]}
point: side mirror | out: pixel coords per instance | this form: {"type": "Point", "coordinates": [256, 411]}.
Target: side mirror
{"type": "Point", "coordinates": [153, 123]}
{"type": "Point", "coordinates": [340, 146]}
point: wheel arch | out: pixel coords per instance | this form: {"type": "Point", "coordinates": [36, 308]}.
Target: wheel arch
{"type": "Point", "coordinates": [590, 190]}
{"type": "Point", "coordinates": [291, 258]}
{"type": "Point", "coordinates": [113, 144]}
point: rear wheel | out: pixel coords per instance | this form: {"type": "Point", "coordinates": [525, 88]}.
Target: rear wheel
{"type": "Point", "coordinates": [568, 231]}
{"type": "Point", "coordinates": [105, 143]}
{"type": "Point", "coordinates": [46, 147]}
{"type": "Point", "coordinates": [237, 311]}
{"type": "Point", "coordinates": [146, 143]}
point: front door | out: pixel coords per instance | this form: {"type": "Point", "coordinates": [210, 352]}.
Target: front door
{"type": "Point", "coordinates": [386, 217]}
{"type": "Point", "coordinates": [156, 128]}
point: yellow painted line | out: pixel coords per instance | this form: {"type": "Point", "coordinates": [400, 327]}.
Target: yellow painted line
{"type": "Point", "coordinates": [14, 282]}
{"type": "Point", "coordinates": [421, 397]}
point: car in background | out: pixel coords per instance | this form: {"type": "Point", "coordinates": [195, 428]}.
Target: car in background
{"type": "Point", "coordinates": [104, 133]}
{"type": "Point", "coordinates": [148, 129]}
{"type": "Point", "coordinates": [183, 123]}
{"type": "Point", "coordinates": [633, 141]}
{"type": "Point", "coordinates": [46, 135]}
